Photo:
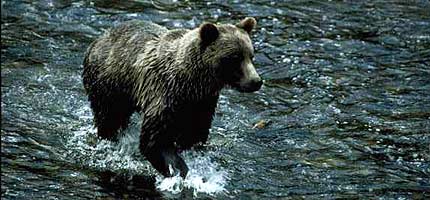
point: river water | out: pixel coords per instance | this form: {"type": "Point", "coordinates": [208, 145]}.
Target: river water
{"type": "Point", "coordinates": [344, 111]}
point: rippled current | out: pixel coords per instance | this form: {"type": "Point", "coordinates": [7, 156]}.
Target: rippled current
{"type": "Point", "coordinates": [344, 111]}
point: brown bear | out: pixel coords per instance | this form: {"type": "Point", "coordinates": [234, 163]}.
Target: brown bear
{"type": "Point", "coordinates": [172, 77]}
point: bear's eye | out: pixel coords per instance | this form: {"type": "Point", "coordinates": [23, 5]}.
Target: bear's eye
{"type": "Point", "coordinates": [235, 58]}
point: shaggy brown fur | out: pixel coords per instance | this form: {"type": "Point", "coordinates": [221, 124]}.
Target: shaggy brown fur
{"type": "Point", "coordinates": [172, 77]}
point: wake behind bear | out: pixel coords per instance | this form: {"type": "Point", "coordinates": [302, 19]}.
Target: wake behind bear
{"type": "Point", "coordinates": [172, 77]}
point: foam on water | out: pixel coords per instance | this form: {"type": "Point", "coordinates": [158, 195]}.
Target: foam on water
{"type": "Point", "coordinates": [106, 155]}
{"type": "Point", "coordinates": [204, 176]}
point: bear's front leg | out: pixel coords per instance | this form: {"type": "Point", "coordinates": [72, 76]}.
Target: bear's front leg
{"type": "Point", "coordinates": [157, 144]}
{"type": "Point", "coordinates": [193, 138]}
{"type": "Point", "coordinates": [167, 162]}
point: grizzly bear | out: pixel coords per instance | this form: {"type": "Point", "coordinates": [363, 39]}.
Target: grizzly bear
{"type": "Point", "coordinates": [172, 77]}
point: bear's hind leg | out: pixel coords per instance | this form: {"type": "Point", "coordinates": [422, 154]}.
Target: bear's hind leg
{"type": "Point", "coordinates": [111, 115]}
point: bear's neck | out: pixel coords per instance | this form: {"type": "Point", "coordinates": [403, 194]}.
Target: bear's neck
{"type": "Point", "coordinates": [197, 81]}
{"type": "Point", "coordinates": [193, 76]}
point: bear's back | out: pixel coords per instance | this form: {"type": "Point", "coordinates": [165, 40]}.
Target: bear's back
{"type": "Point", "coordinates": [119, 46]}
{"type": "Point", "coordinates": [144, 29]}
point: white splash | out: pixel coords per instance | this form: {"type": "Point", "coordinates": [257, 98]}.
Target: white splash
{"type": "Point", "coordinates": [204, 176]}
{"type": "Point", "coordinates": [85, 147]}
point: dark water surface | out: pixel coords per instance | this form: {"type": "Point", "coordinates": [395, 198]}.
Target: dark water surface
{"type": "Point", "coordinates": [346, 103]}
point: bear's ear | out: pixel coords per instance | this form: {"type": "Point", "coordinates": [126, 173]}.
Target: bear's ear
{"type": "Point", "coordinates": [247, 24]}
{"type": "Point", "coordinates": [208, 33]}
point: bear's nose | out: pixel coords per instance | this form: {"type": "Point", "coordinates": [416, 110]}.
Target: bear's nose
{"type": "Point", "coordinates": [256, 83]}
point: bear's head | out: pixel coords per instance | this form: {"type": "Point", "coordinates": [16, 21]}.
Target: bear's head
{"type": "Point", "coordinates": [228, 49]}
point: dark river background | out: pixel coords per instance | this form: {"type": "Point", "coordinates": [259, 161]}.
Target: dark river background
{"type": "Point", "coordinates": [344, 111]}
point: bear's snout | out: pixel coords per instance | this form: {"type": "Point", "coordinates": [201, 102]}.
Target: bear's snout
{"type": "Point", "coordinates": [251, 85]}
{"type": "Point", "coordinates": [256, 84]}
{"type": "Point", "coordinates": [251, 81]}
